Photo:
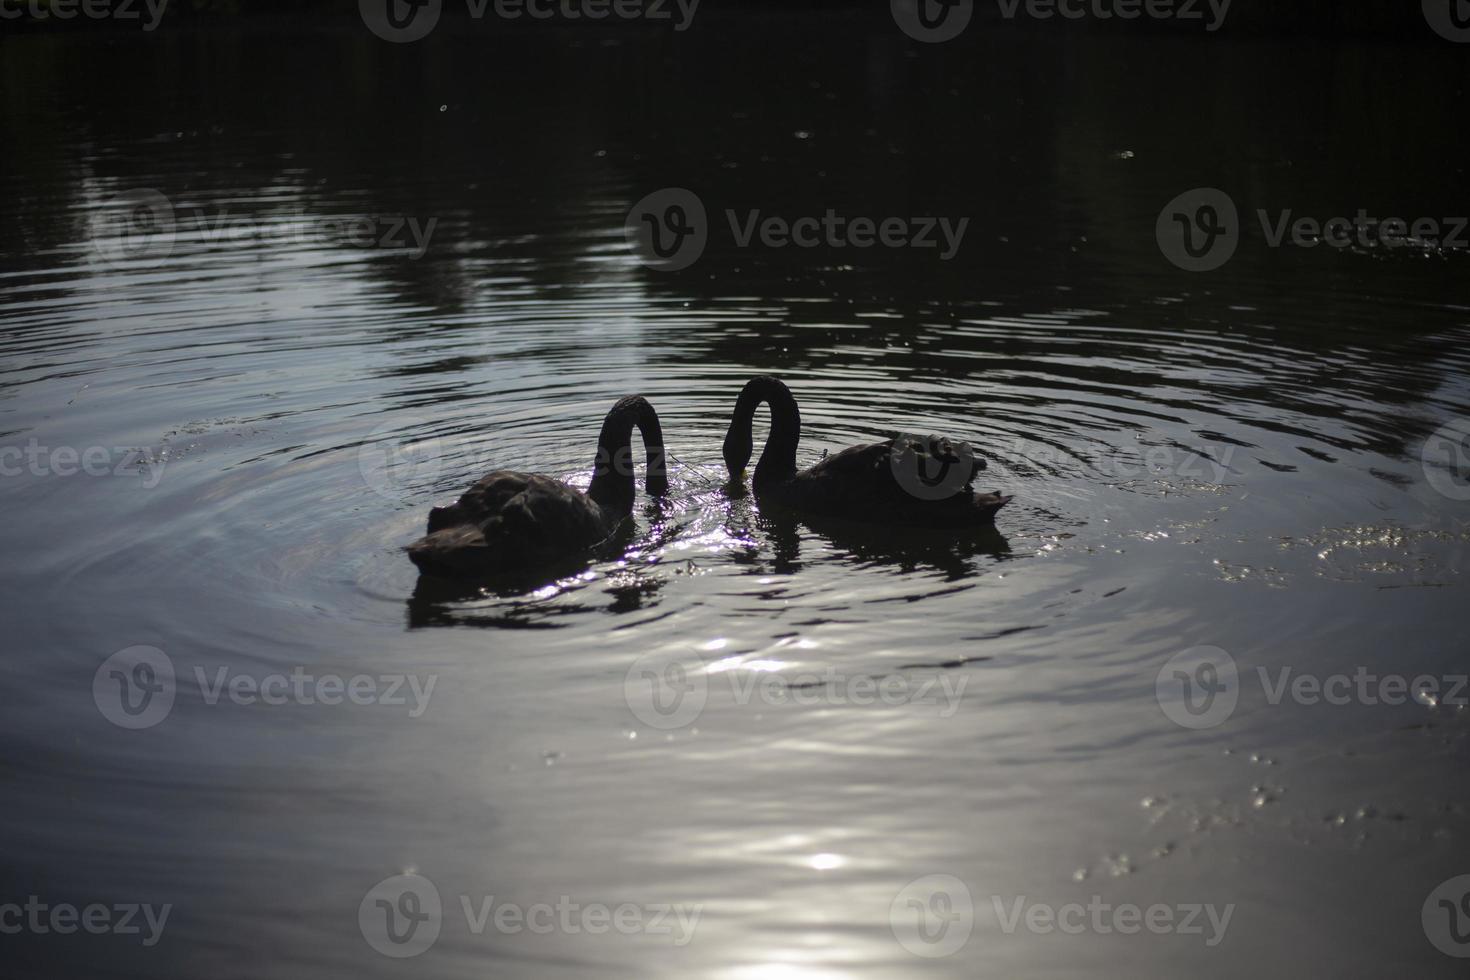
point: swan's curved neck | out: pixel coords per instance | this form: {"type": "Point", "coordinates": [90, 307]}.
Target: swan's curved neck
{"type": "Point", "coordinates": [778, 459]}
{"type": "Point", "coordinates": [612, 472]}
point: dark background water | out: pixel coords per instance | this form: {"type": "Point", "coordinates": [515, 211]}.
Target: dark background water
{"type": "Point", "coordinates": [1251, 459]}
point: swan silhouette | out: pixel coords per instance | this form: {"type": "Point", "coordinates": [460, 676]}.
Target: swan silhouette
{"type": "Point", "coordinates": [903, 480]}
{"type": "Point", "coordinates": [511, 522]}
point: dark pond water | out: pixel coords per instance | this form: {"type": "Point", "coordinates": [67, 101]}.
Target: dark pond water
{"type": "Point", "coordinates": [222, 427]}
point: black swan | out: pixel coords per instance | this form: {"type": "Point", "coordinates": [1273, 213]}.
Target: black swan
{"type": "Point", "coordinates": [510, 521]}
{"type": "Point", "coordinates": [904, 480]}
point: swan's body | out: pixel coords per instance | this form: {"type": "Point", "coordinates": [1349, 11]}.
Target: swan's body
{"type": "Point", "coordinates": [900, 481]}
{"type": "Point", "coordinates": [510, 521]}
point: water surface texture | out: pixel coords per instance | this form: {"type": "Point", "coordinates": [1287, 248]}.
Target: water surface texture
{"type": "Point", "coordinates": [355, 275]}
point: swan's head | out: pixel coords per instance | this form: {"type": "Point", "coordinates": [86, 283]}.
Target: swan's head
{"type": "Point", "coordinates": [738, 447]}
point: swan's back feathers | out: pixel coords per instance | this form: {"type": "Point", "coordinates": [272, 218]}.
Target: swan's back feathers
{"type": "Point", "coordinates": [853, 463]}
{"type": "Point", "coordinates": [483, 500]}
{"type": "Point", "coordinates": [877, 463]}
{"type": "Point", "coordinates": [511, 520]}
{"type": "Point", "coordinates": [549, 512]}
{"type": "Point", "coordinates": [863, 483]}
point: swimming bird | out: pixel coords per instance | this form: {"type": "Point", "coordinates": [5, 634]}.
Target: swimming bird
{"type": "Point", "coordinates": [904, 480]}
{"type": "Point", "coordinates": [510, 521]}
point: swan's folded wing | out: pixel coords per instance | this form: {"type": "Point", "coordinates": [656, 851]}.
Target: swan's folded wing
{"type": "Point", "coordinates": [510, 520]}
{"type": "Point", "coordinates": [864, 462]}
{"type": "Point", "coordinates": [876, 469]}
{"type": "Point", "coordinates": [484, 500]}
{"type": "Point", "coordinates": [853, 463]}
{"type": "Point", "coordinates": [492, 492]}
{"type": "Point", "coordinates": [547, 519]}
